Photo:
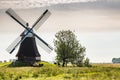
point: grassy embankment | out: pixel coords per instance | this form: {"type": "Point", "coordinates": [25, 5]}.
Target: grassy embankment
{"type": "Point", "coordinates": [52, 72]}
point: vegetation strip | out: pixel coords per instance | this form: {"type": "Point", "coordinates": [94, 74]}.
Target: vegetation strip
{"type": "Point", "coordinates": [53, 72]}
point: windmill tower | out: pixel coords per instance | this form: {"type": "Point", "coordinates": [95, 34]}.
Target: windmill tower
{"type": "Point", "coordinates": [28, 51]}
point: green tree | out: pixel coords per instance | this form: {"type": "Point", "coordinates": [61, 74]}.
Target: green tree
{"type": "Point", "coordinates": [87, 63]}
{"type": "Point", "coordinates": [79, 61]}
{"type": "Point", "coordinates": [68, 48]}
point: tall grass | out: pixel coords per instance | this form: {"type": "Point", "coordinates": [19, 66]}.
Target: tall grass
{"type": "Point", "coordinates": [52, 72]}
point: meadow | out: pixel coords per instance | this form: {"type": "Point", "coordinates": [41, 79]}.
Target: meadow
{"type": "Point", "coordinates": [53, 72]}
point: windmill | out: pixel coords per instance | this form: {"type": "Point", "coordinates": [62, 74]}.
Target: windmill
{"type": "Point", "coordinates": [28, 51]}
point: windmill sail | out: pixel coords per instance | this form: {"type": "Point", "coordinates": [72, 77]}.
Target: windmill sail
{"type": "Point", "coordinates": [16, 17]}
{"type": "Point", "coordinates": [13, 45]}
{"type": "Point", "coordinates": [44, 45]}
{"type": "Point", "coordinates": [41, 20]}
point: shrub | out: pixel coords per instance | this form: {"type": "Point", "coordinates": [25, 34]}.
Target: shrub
{"type": "Point", "coordinates": [19, 64]}
{"type": "Point", "coordinates": [87, 63]}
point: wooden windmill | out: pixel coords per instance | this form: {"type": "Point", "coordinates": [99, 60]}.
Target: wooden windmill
{"type": "Point", "coordinates": [28, 51]}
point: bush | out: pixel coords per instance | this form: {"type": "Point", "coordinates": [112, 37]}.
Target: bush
{"type": "Point", "coordinates": [80, 63]}
{"type": "Point", "coordinates": [19, 64]}
{"type": "Point", "coordinates": [87, 63]}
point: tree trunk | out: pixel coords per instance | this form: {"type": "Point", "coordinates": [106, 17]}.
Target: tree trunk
{"type": "Point", "coordinates": [63, 65]}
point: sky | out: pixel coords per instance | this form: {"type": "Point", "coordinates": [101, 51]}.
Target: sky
{"type": "Point", "coordinates": [96, 23]}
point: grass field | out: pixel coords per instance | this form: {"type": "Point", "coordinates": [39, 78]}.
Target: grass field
{"type": "Point", "coordinates": [52, 72]}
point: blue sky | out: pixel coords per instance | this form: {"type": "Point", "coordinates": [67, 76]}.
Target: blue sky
{"type": "Point", "coordinates": [96, 25]}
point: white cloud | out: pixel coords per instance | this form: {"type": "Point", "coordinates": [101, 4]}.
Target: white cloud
{"type": "Point", "coordinates": [34, 3]}
{"type": "Point", "coordinates": [25, 4]}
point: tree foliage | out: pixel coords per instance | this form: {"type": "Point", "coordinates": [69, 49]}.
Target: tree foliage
{"type": "Point", "coordinates": [68, 48]}
{"type": "Point", "coordinates": [116, 60]}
